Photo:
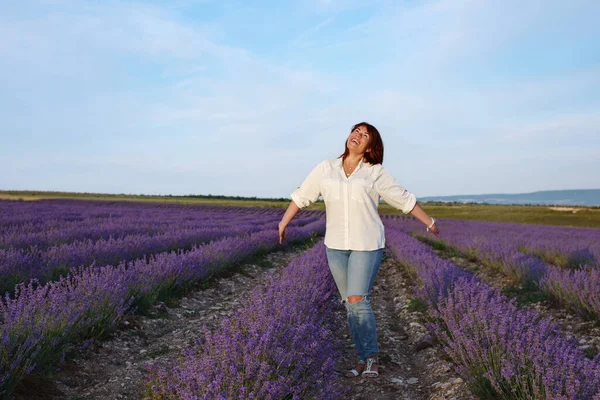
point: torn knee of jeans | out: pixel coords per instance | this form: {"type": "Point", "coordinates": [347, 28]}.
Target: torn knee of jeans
{"type": "Point", "coordinates": [354, 299]}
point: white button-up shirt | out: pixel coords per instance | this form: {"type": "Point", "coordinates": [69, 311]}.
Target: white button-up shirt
{"type": "Point", "coordinates": [351, 203]}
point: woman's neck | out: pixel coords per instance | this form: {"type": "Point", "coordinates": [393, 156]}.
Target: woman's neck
{"type": "Point", "coordinates": [353, 158]}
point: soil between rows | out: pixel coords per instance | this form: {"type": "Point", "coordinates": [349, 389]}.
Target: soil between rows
{"type": "Point", "coordinates": [411, 368]}
{"type": "Point", "coordinates": [116, 368]}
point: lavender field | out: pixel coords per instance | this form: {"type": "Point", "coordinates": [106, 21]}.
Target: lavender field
{"type": "Point", "coordinates": [71, 271]}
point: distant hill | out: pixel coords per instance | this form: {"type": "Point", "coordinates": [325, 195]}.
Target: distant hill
{"type": "Point", "coordinates": [579, 197]}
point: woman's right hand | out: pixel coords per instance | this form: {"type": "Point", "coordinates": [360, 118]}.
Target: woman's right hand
{"type": "Point", "coordinates": [291, 211]}
{"type": "Point", "coordinates": [281, 232]}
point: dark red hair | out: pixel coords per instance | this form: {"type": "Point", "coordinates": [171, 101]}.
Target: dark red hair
{"type": "Point", "coordinates": [374, 154]}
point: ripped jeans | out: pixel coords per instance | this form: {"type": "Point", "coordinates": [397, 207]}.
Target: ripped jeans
{"type": "Point", "coordinates": [354, 273]}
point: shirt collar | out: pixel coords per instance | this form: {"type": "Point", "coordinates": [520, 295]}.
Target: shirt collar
{"type": "Point", "coordinates": [340, 161]}
{"type": "Point", "coordinates": [340, 165]}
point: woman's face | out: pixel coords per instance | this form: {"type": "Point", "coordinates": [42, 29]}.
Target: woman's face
{"type": "Point", "coordinates": [358, 140]}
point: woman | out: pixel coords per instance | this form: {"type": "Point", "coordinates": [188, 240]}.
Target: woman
{"type": "Point", "coordinates": [351, 186]}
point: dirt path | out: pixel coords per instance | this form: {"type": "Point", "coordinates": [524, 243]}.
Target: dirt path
{"type": "Point", "coordinates": [410, 368]}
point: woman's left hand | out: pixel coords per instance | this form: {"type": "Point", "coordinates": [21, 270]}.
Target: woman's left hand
{"type": "Point", "coordinates": [434, 229]}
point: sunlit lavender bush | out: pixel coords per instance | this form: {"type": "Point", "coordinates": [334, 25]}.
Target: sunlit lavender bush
{"type": "Point", "coordinates": [39, 322]}
{"type": "Point", "coordinates": [578, 289]}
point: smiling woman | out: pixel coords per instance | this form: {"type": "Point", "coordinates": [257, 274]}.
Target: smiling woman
{"type": "Point", "coordinates": [351, 186]}
{"type": "Point", "coordinates": [364, 138]}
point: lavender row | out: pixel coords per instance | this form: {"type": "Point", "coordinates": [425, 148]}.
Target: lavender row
{"type": "Point", "coordinates": [40, 322]}
{"type": "Point", "coordinates": [516, 354]}
{"type": "Point", "coordinates": [18, 265]}
{"type": "Point", "coordinates": [29, 215]}
{"type": "Point", "coordinates": [279, 345]}
{"type": "Point", "coordinates": [174, 216]}
{"type": "Point", "coordinates": [556, 245]}
{"type": "Point", "coordinates": [577, 289]}
{"type": "Point", "coordinates": [502, 258]}
{"type": "Point", "coordinates": [53, 231]}
{"type": "Point", "coordinates": [44, 237]}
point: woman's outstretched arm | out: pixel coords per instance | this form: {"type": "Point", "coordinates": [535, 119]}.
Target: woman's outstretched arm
{"type": "Point", "coordinates": [290, 213]}
{"type": "Point", "coordinates": [422, 216]}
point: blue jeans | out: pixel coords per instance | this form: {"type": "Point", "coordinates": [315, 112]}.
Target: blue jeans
{"type": "Point", "coordinates": [354, 273]}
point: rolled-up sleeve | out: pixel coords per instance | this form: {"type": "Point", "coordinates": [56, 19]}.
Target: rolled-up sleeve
{"type": "Point", "coordinates": [394, 194]}
{"type": "Point", "coordinates": [310, 190]}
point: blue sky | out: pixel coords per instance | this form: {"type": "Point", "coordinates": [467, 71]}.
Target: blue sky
{"type": "Point", "coordinates": [246, 97]}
